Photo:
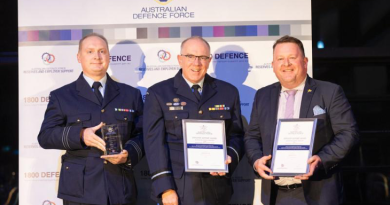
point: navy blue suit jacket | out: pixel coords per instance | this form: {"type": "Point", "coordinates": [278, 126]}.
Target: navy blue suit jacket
{"type": "Point", "coordinates": [163, 135]}
{"type": "Point", "coordinates": [85, 177]}
{"type": "Point", "coordinates": [336, 134]}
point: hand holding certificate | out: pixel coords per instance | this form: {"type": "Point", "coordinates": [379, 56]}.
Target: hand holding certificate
{"type": "Point", "coordinates": [262, 169]}
{"type": "Point", "coordinates": [293, 146]}
{"type": "Point", "coordinates": [227, 161]}
{"type": "Point", "coordinates": [314, 162]}
{"type": "Point", "coordinates": [204, 146]}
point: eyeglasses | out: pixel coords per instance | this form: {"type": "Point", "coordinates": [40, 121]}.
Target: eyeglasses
{"type": "Point", "coordinates": [194, 57]}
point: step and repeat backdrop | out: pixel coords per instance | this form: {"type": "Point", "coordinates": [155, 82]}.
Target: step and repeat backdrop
{"type": "Point", "coordinates": [144, 39]}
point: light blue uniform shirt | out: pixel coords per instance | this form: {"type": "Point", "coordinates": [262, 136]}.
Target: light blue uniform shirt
{"type": "Point", "coordinates": [103, 81]}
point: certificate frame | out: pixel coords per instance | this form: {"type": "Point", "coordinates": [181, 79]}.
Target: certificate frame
{"type": "Point", "coordinates": [296, 152]}
{"type": "Point", "coordinates": [216, 151]}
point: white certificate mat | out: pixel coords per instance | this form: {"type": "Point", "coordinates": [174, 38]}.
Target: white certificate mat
{"type": "Point", "coordinates": [204, 145]}
{"type": "Point", "coordinates": [293, 146]}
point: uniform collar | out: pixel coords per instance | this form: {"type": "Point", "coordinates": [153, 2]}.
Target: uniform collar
{"type": "Point", "coordinates": [200, 83]}
{"type": "Point", "coordinates": [90, 81]}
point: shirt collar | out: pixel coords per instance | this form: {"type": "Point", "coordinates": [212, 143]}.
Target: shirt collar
{"type": "Point", "coordinates": [90, 81]}
{"type": "Point", "coordinates": [200, 83]}
{"type": "Point", "coordinates": [300, 87]}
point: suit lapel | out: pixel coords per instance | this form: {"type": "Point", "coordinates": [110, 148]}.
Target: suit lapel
{"type": "Point", "coordinates": [85, 90]}
{"type": "Point", "coordinates": [307, 96]}
{"type": "Point", "coordinates": [182, 87]}
{"type": "Point", "coordinates": [274, 105]}
{"type": "Point", "coordinates": [110, 92]}
{"type": "Point", "coordinates": [208, 89]}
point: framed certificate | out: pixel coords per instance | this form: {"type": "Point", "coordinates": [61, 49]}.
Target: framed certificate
{"type": "Point", "coordinates": [204, 145]}
{"type": "Point", "coordinates": [293, 146]}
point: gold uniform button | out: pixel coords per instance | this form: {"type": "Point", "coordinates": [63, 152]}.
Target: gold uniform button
{"type": "Point", "coordinates": [175, 117]}
{"type": "Point", "coordinates": [78, 120]}
{"type": "Point", "coordinates": [102, 110]}
{"type": "Point", "coordinates": [66, 167]}
{"type": "Point", "coordinates": [105, 161]}
{"type": "Point", "coordinates": [200, 112]}
{"type": "Point", "coordinates": [221, 116]}
{"type": "Point", "coordinates": [125, 118]}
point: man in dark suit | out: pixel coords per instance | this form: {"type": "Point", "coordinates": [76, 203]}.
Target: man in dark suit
{"type": "Point", "coordinates": [72, 122]}
{"type": "Point", "coordinates": [336, 132]}
{"type": "Point", "coordinates": [191, 94]}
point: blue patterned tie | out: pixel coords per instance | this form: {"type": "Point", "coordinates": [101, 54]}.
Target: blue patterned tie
{"type": "Point", "coordinates": [195, 90]}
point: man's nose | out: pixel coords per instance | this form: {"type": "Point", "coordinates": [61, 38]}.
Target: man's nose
{"type": "Point", "coordinates": [197, 60]}
{"type": "Point", "coordinates": [286, 62]}
{"type": "Point", "coordinates": [98, 55]}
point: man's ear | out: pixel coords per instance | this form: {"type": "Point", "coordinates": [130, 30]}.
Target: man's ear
{"type": "Point", "coordinates": [78, 57]}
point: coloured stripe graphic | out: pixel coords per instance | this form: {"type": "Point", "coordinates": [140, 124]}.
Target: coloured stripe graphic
{"type": "Point", "coordinates": [167, 32]}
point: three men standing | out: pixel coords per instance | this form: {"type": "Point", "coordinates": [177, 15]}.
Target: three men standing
{"type": "Point", "coordinates": [77, 111]}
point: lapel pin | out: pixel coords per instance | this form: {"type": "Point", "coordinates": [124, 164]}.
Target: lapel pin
{"type": "Point", "coordinates": [309, 91]}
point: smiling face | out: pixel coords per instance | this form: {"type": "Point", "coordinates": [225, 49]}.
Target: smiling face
{"type": "Point", "coordinates": [289, 64]}
{"type": "Point", "coordinates": [94, 57]}
{"type": "Point", "coordinates": [194, 70]}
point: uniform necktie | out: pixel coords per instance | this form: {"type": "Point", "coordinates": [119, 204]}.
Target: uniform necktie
{"type": "Point", "coordinates": [96, 86]}
{"type": "Point", "coordinates": [289, 113]}
{"type": "Point", "coordinates": [195, 90]}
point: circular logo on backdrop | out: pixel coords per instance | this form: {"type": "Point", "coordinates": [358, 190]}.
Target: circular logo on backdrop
{"type": "Point", "coordinates": [48, 58]}
{"type": "Point", "coordinates": [163, 55]}
{"type": "Point", "coordinates": [163, 2]}
{"type": "Point", "coordinates": [47, 202]}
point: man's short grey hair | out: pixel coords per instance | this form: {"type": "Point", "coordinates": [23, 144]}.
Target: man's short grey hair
{"type": "Point", "coordinates": [194, 37]}
{"type": "Point", "coordinates": [90, 35]}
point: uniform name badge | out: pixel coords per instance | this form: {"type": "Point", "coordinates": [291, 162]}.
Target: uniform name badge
{"type": "Point", "coordinates": [204, 145]}
{"type": "Point", "coordinates": [293, 146]}
{"type": "Point", "coordinates": [112, 138]}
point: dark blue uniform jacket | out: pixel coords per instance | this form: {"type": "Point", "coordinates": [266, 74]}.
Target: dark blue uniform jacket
{"type": "Point", "coordinates": [163, 135]}
{"type": "Point", "coordinates": [85, 177]}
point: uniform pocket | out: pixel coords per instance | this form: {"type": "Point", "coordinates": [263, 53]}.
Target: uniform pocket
{"type": "Point", "coordinates": [220, 115]}
{"type": "Point", "coordinates": [124, 116]}
{"type": "Point", "coordinates": [173, 125]}
{"type": "Point", "coordinates": [83, 119]}
{"type": "Point", "coordinates": [72, 178]}
{"type": "Point", "coordinates": [124, 120]}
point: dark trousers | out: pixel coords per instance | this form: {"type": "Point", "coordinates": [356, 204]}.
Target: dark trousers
{"type": "Point", "coordinates": [66, 202]}
{"type": "Point", "coordinates": [287, 196]}
{"type": "Point", "coordinates": [202, 189]}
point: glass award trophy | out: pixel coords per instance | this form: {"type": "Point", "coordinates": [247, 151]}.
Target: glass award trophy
{"type": "Point", "coordinates": [112, 137]}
